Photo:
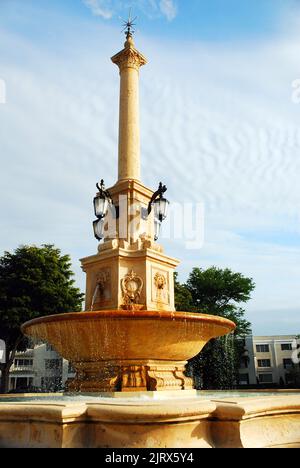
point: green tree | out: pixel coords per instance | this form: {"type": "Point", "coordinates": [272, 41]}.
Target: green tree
{"type": "Point", "coordinates": [183, 297]}
{"type": "Point", "coordinates": [220, 292]}
{"type": "Point", "coordinates": [34, 282]}
{"type": "Point", "coordinates": [294, 376]}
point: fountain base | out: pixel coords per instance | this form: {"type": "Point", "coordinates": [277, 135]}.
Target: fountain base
{"type": "Point", "coordinates": [150, 421]}
{"type": "Point", "coordinates": [129, 376]}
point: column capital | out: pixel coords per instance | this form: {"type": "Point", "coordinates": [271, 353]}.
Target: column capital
{"type": "Point", "coordinates": [129, 57]}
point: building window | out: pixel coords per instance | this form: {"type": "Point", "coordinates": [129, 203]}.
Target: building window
{"type": "Point", "coordinates": [286, 347]}
{"type": "Point", "coordinates": [287, 363]}
{"type": "Point", "coordinates": [71, 369]}
{"type": "Point", "coordinates": [244, 362]}
{"type": "Point", "coordinates": [49, 347]}
{"type": "Point", "coordinates": [244, 379]}
{"type": "Point", "coordinates": [262, 348]}
{"type": "Point", "coordinates": [265, 378]}
{"type": "Point", "coordinates": [23, 363]}
{"type": "Point", "coordinates": [264, 363]}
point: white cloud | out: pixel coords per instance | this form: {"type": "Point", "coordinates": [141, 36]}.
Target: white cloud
{"type": "Point", "coordinates": [100, 8]}
{"type": "Point", "coordinates": [168, 9]}
{"type": "Point", "coordinates": [151, 8]}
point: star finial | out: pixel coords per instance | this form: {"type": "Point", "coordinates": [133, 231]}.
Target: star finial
{"type": "Point", "coordinates": [129, 26]}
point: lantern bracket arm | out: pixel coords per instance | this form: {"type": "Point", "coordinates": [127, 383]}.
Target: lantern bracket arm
{"type": "Point", "coordinates": [158, 194]}
{"type": "Point", "coordinates": [103, 192]}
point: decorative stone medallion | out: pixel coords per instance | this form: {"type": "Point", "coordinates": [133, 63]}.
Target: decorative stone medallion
{"type": "Point", "coordinates": [132, 286]}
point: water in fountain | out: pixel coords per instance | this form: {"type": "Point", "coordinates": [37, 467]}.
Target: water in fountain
{"type": "Point", "coordinates": [94, 297]}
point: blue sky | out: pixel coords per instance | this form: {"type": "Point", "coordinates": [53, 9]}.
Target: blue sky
{"type": "Point", "coordinates": [191, 19]}
{"type": "Point", "coordinates": [217, 119]}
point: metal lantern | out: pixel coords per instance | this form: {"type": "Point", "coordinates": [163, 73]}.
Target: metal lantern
{"type": "Point", "coordinates": [102, 201]}
{"type": "Point", "coordinates": [157, 229]}
{"type": "Point", "coordinates": [101, 204]}
{"type": "Point", "coordinates": [161, 206]}
{"type": "Point", "coordinates": [98, 226]}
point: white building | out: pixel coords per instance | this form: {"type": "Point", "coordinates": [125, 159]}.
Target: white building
{"type": "Point", "coordinates": [268, 360]}
{"type": "Point", "coordinates": [39, 369]}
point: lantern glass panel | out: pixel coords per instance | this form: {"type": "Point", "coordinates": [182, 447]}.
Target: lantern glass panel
{"type": "Point", "coordinates": [99, 228]}
{"type": "Point", "coordinates": [161, 206]}
{"type": "Point", "coordinates": [100, 206]}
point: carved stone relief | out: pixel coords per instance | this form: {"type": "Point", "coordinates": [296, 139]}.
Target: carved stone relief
{"type": "Point", "coordinates": [132, 286]}
{"type": "Point", "coordinates": [99, 377]}
{"type": "Point", "coordinates": [160, 288]}
{"type": "Point", "coordinates": [129, 58]}
{"type": "Point", "coordinates": [102, 292]}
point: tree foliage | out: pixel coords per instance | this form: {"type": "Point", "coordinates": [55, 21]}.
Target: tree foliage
{"type": "Point", "coordinates": [219, 292]}
{"type": "Point", "coordinates": [34, 282]}
{"type": "Point", "coordinates": [294, 376]}
{"type": "Point", "coordinates": [183, 297]}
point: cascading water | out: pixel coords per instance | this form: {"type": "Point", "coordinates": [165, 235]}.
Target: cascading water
{"type": "Point", "coordinates": [95, 297]}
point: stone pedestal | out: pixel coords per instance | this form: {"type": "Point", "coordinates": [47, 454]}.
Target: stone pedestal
{"type": "Point", "coordinates": [129, 279]}
{"type": "Point", "coordinates": [129, 376]}
{"type": "Point", "coordinates": [130, 270]}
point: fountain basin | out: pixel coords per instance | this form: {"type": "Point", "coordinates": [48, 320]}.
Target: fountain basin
{"type": "Point", "coordinates": [145, 421]}
{"type": "Point", "coordinates": [115, 351]}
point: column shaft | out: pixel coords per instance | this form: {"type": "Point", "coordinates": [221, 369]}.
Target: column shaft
{"type": "Point", "coordinates": [129, 61]}
{"type": "Point", "coordinates": [129, 128]}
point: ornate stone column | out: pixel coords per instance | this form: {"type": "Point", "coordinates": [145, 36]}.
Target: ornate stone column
{"type": "Point", "coordinates": [129, 61]}
{"type": "Point", "coordinates": [130, 270]}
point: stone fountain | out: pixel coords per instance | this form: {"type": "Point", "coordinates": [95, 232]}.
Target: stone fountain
{"type": "Point", "coordinates": [130, 338]}
{"type": "Point", "coordinates": [130, 347]}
